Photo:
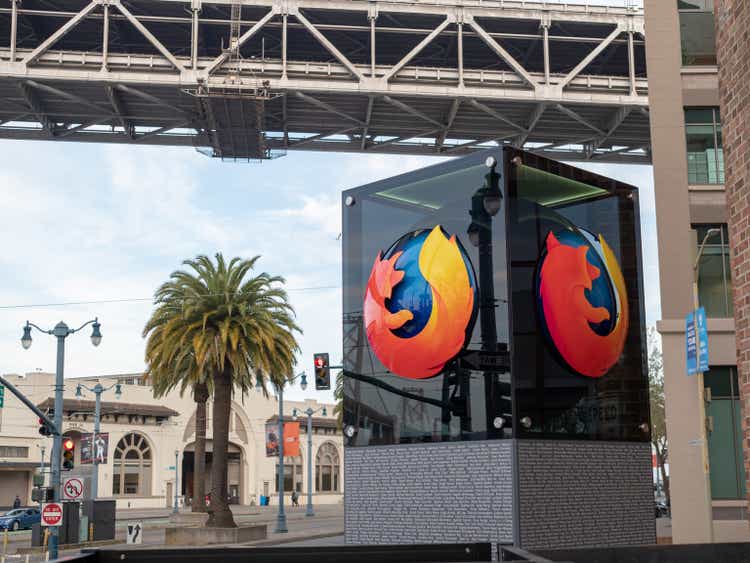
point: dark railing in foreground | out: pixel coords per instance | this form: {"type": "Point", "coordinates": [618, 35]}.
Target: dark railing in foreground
{"type": "Point", "coordinates": [427, 553]}
{"type": "Point", "coordinates": [424, 553]}
{"type": "Point", "coordinates": [687, 553]}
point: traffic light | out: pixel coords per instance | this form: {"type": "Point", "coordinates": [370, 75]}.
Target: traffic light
{"type": "Point", "coordinates": [322, 372]}
{"type": "Point", "coordinates": [44, 430]}
{"type": "Point", "coordinates": [68, 454]}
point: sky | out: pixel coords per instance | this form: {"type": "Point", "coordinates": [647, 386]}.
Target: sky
{"type": "Point", "coordinates": [87, 222]}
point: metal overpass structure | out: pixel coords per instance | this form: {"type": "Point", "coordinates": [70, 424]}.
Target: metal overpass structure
{"type": "Point", "coordinates": [250, 79]}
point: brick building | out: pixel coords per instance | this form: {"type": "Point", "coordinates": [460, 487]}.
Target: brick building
{"type": "Point", "coordinates": [696, 127]}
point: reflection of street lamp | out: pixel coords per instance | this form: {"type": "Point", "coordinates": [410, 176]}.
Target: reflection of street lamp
{"type": "Point", "coordinates": [97, 390]}
{"type": "Point", "coordinates": [61, 332]}
{"type": "Point", "coordinates": [701, 391]}
{"type": "Point", "coordinates": [281, 519]}
{"type": "Point", "coordinates": [485, 204]}
{"type": "Point", "coordinates": [309, 412]}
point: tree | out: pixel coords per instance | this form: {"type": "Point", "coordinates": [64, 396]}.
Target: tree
{"type": "Point", "coordinates": [239, 331]}
{"type": "Point", "coordinates": [658, 415]}
{"type": "Point", "coordinates": [165, 374]}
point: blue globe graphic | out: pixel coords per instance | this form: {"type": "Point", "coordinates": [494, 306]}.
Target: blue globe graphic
{"type": "Point", "coordinates": [413, 293]}
{"type": "Point", "coordinates": [602, 292]}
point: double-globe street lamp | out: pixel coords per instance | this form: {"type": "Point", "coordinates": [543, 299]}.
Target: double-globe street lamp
{"type": "Point", "coordinates": [61, 332]}
{"type": "Point", "coordinates": [281, 519]}
{"type": "Point", "coordinates": [309, 412]}
{"type": "Point", "coordinates": [97, 390]}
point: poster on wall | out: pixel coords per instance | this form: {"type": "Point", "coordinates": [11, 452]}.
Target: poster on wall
{"type": "Point", "coordinates": [98, 450]}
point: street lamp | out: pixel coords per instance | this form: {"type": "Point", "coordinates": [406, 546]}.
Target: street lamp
{"type": "Point", "coordinates": [97, 390]}
{"type": "Point", "coordinates": [309, 412]}
{"type": "Point", "coordinates": [701, 392]}
{"type": "Point", "coordinates": [61, 332]}
{"type": "Point", "coordinates": [281, 519]}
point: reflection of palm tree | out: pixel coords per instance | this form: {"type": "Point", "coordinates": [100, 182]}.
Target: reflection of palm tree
{"type": "Point", "coordinates": [239, 332]}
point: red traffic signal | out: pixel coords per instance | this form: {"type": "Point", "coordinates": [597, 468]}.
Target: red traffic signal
{"type": "Point", "coordinates": [68, 455]}
{"type": "Point", "coordinates": [322, 372]}
{"type": "Point", "coordinates": [44, 430]}
{"type": "Point", "coordinates": [68, 444]}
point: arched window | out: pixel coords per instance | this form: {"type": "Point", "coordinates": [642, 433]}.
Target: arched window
{"type": "Point", "coordinates": [293, 474]}
{"type": "Point", "coordinates": [327, 468]}
{"type": "Point", "coordinates": [131, 471]}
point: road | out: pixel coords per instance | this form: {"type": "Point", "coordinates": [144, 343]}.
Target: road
{"type": "Point", "coordinates": [328, 521]}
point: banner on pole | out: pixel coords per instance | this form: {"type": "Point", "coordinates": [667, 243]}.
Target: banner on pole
{"type": "Point", "coordinates": [98, 450]}
{"type": "Point", "coordinates": [696, 338]}
{"type": "Point", "coordinates": [291, 439]}
{"type": "Point", "coordinates": [272, 440]}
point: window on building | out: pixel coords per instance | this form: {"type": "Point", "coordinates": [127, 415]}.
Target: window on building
{"type": "Point", "coordinates": [725, 438]}
{"type": "Point", "coordinates": [705, 151]}
{"type": "Point", "coordinates": [131, 471]}
{"type": "Point", "coordinates": [327, 468]}
{"type": "Point", "coordinates": [714, 272]}
{"type": "Point", "coordinates": [697, 35]}
{"type": "Point", "coordinates": [14, 451]}
{"type": "Point", "coordinates": [293, 475]}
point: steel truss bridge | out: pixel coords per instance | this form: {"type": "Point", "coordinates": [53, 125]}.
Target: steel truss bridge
{"type": "Point", "coordinates": [248, 79]}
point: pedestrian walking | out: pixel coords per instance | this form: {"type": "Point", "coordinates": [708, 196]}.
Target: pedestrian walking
{"type": "Point", "coordinates": [295, 498]}
{"type": "Point", "coordinates": [17, 502]}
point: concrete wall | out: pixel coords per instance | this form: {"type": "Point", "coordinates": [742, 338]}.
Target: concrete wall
{"type": "Point", "coordinates": [429, 493]}
{"type": "Point", "coordinates": [578, 494]}
{"type": "Point", "coordinates": [691, 507]}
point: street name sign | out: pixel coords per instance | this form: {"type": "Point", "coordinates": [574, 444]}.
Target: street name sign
{"type": "Point", "coordinates": [52, 514]}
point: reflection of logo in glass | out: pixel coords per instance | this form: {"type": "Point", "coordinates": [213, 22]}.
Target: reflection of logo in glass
{"type": "Point", "coordinates": [420, 303]}
{"type": "Point", "coordinates": [582, 300]}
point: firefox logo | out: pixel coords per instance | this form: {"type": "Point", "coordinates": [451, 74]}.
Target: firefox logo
{"type": "Point", "coordinates": [420, 303]}
{"type": "Point", "coordinates": [582, 301]}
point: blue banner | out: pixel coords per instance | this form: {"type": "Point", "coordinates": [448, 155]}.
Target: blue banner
{"type": "Point", "coordinates": [696, 336]}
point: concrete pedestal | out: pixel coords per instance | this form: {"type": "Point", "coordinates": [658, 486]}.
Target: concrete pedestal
{"type": "Point", "coordinates": [189, 518]}
{"type": "Point", "coordinates": [212, 536]}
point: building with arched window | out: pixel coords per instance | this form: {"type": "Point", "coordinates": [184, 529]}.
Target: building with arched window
{"type": "Point", "coordinates": [151, 444]}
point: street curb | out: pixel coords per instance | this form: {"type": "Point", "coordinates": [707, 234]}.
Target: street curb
{"type": "Point", "coordinates": [280, 541]}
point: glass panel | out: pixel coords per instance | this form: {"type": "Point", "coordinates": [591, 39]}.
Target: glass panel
{"type": "Point", "coordinates": [702, 155]}
{"type": "Point", "coordinates": [570, 378]}
{"type": "Point", "coordinates": [132, 478]}
{"type": "Point", "coordinates": [722, 450]}
{"type": "Point", "coordinates": [697, 37]}
{"type": "Point", "coordinates": [335, 478]}
{"type": "Point", "coordinates": [116, 482]}
{"type": "Point", "coordinates": [712, 292]}
{"type": "Point", "coordinates": [132, 454]}
{"type": "Point", "coordinates": [738, 446]}
{"type": "Point", "coordinates": [719, 380]}
{"type": "Point", "coordinates": [699, 116]}
{"type": "Point", "coordinates": [399, 389]}
{"type": "Point", "coordinates": [325, 478]}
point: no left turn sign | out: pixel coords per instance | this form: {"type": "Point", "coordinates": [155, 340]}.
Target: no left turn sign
{"type": "Point", "coordinates": [52, 514]}
{"type": "Point", "coordinates": [73, 489]}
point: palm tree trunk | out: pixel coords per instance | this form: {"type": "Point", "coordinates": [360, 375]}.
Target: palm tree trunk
{"type": "Point", "coordinates": [219, 514]}
{"type": "Point", "coordinates": [200, 394]}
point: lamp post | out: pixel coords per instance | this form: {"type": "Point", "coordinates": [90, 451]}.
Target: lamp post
{"type": "Point", "coordinates": [281, 519]}
{"type": "Point", "coordinates": [61, 332]}
{"type": "Point", "coordinates": [97, 390]}
{"type": "Point", "coordinates": [701, 390]}
{"type": "Point", "coordinates": [175, 510]}
{"type": "Point", "coordinates": [485, 204]}
{"type": "Point", "coordinates": [309, 412]}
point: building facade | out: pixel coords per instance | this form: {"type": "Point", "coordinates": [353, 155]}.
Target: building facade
{"type": "Point", "coordinates": [692, 207]}
{"type": "Point", "coordinates": [152, 441]}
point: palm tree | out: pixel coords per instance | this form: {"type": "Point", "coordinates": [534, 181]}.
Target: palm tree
{"type": "Point", "coordinates": [166, 371]}
{"type": "Point", "coordinates": [237, 330]}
